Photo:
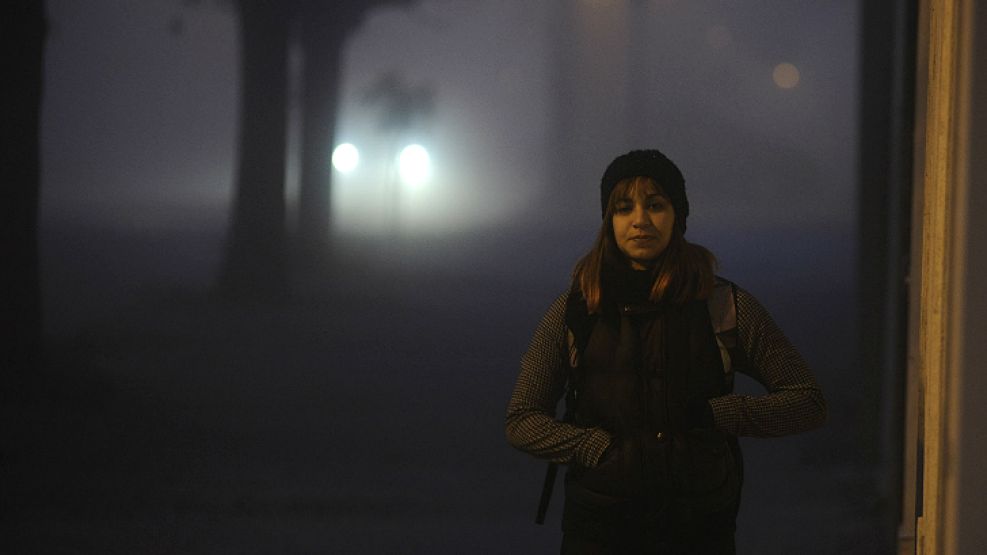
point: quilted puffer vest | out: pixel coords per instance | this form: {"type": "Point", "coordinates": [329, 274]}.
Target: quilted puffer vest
{"type": "Point", "coordinates": [634, 371]}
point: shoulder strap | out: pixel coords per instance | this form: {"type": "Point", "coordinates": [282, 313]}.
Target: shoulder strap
{"type": "Point", "coordinates": [722, 305]}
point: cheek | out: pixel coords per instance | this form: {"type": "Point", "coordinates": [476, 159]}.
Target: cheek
{"type": "Point", "coordinates": [618, 224]}
{"type": "Point", "coordinates": [662, 222]}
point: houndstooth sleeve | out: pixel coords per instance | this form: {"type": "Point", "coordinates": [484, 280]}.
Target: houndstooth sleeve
{"type": "Point", "coordinates": [531, 425]}
{"type": "Point", "coordinates": [793, 402]}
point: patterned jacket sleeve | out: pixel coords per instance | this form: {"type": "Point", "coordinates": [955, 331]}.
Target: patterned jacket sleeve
{"type": "Point", "coordinates": [531, 424]}
{"type": "Point", "coordinates": [793, 402]}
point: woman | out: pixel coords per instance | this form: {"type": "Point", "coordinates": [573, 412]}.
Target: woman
{"type": "Point", "coordinates": [644, 346]}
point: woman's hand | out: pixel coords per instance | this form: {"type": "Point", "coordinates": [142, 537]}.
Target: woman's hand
{"type": "Point", "coordinates": [625, 464]}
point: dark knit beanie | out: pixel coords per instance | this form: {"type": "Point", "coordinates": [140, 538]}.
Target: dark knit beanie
{"type": "Point", "coordinates": [647, 163]}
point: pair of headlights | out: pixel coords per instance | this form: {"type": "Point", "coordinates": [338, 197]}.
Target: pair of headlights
{"type": "Point", "coordinates": [413, 162]}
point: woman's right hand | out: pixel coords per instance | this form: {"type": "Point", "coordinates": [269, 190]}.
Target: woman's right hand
{"type": "Point", "coordinates": [621, 468]}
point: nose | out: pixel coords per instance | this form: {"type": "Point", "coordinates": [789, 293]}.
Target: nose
{"type": "Point", "coordinates": [640, 219]}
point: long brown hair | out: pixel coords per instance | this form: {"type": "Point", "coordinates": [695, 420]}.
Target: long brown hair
{"type": "Point", "coordinates": [684, 271]}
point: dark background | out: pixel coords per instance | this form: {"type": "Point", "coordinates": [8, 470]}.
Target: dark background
{"type": "Point", "coordinates": [293, 371]}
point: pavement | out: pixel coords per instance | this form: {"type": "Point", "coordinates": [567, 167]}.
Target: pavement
{"type": "Point", "coordinates": [363, 415]}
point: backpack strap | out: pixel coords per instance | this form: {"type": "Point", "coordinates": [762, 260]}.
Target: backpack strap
{"type": "Point", "coordinates": [546, 492]}
{"type": "Point", "coordinates": [722, 305]}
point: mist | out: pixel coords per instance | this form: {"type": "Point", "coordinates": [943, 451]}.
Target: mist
{"type": "Point", "coordinates": [362, 411]}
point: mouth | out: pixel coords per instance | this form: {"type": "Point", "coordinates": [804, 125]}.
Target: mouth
{"type": "Point", "coordinates": [643, 238]}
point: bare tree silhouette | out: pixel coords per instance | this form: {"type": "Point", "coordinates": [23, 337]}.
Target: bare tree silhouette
{"type": "Point", "coordinates": [401, 104]}
{"type": "Point", "coordinates": [255, 264]}
{"type": "Point", "coordinates": [23, 31]}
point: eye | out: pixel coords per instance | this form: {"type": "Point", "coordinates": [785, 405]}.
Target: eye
{"type": "Point", "coordinates": [657, 205]}
{"type": "Point", "coordinates": [622, 208]}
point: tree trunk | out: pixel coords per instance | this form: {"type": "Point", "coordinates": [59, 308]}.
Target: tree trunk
{"type": "Point", "coordinates": [324, 29]}
{"type": "Point", "coordinates": [321, 43]}
{"type": "Point", "coordinates": [20, 305]}
{"type": "Point", "coordinates": [256, 262]}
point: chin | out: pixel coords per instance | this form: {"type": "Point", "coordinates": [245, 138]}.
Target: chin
{"type": "Point", "coordinates": [646, 258]}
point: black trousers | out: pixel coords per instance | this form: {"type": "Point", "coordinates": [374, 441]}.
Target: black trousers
{"type": "Point", "coordinates": [712, 544]}
{"type": "Point", "coordinates": [596, 524]}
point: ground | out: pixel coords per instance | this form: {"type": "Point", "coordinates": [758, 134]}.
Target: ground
{"type": "Point", "coordinates": [364, 415]}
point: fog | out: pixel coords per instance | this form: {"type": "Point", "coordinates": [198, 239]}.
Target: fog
{"type": "Point", "coordinates": [365, 412]}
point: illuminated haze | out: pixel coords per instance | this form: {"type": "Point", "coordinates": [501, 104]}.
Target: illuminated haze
{"type": "Point", "coordinates": [151, 132]}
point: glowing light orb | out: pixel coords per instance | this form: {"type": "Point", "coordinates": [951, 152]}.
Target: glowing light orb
{"type": "Point", "coordinates": [414, 165]}
{"type": "Point", "coordinates": [345, 158]}
{"type": "Point", "coordinates": [785, 75]}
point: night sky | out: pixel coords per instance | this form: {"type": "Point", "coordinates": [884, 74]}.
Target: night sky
{"type": "Point", "coordinates": [365, 414]}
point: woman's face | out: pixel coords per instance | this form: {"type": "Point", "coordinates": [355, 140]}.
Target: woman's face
{"type": "Point", "coordinates": [642, 224]}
